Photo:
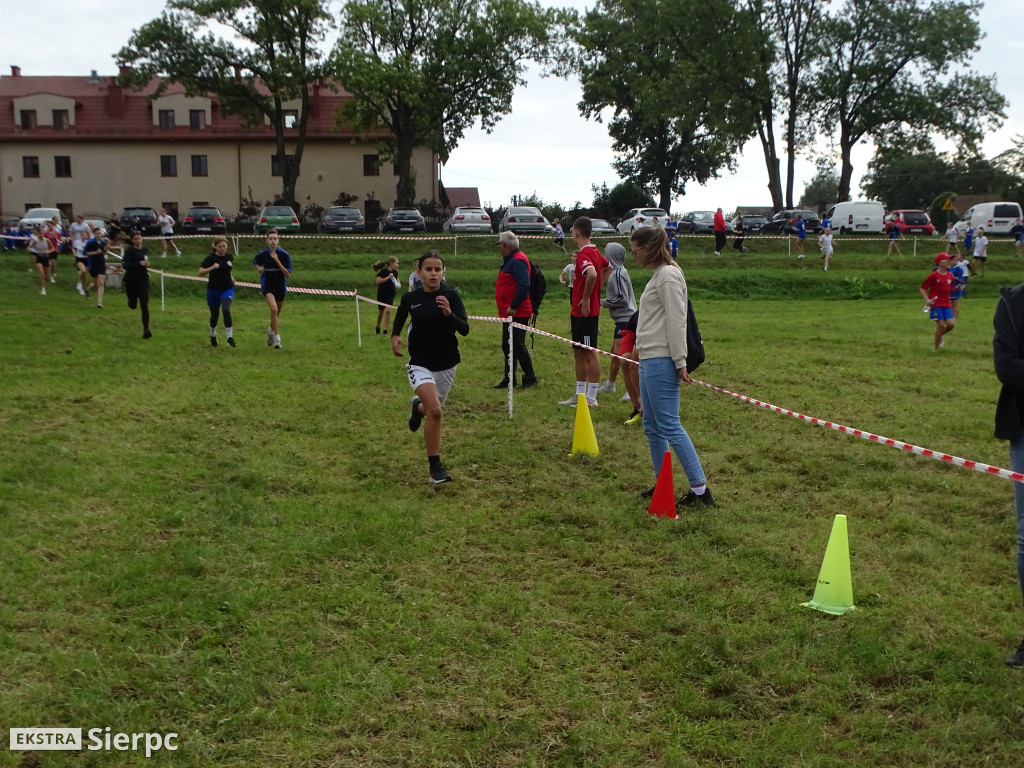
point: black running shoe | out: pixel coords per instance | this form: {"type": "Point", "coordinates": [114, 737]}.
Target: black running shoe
{"type": "Point", "coordinates": [415, 417]}
{"type": "Point", "coordinates": [648, 494]}
{"type": "Point", "coordinates": [1016, 659]}
{"type": "Point", "coordinates": [527, 383]}
{"type": "Point", "coordinates": [503, 384]}
{"type": "Point", "coordinates": [439, 475]}
{"type": "Point", "coordinates": [231, 342]}
{"type": "Point", "coordinates": [213, 341]}
{"type": "Point", "coordinates": [691, 499]}
{"type": "Point", "coordinates": [147, 334]}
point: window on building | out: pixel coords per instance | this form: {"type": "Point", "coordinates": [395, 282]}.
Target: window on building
{"type": "Point", "coordinates": [61, 120]}
{"type": "Point", "coordinates": [168, 165]}
{"type": "Point", "coordinates": [275, 166]}
{"type": "Point", "coordinates": [30, 166]}
{"type": "Point", "coordinates": [197, 119]}
{"type": "Point", "coordinates": [166, 119]}
{"type": "Point", "coordinates": [371, 165]}
{"type": "Point", "coordinates": [291, 118]}
{"type": "Point", "coordinates": [62, 166]}
{"type": "Point", "coordinates": [28, 118]}
{"type": "Point", "coordinates": [199, 165]}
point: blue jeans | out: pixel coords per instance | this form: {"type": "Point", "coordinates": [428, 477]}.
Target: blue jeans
{"type": "Point", "coordinates": [1017, 465]}
{"type": "Point", "coordinates": [659, 393]}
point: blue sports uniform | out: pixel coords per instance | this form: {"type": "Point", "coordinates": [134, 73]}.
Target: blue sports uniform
{"type": "Point", "coordinates": [801, 229]}
{"type": "Point", "coordinates": [969, 239]}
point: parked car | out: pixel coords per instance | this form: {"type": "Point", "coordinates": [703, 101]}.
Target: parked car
{"type": "Point", "coordinates": [138, 218]}
{"type": "Point", "coordinates": [279, 217]}
{"type": "Point", "coordinates": [35, 216]}
{"type": "Point", "coordinates": [856, 216]}
{"type": "Point", "coordinates": [341, 218]}
{"type": "Point", "coordinates": [402, 220]}
{"type": "Point", "coordinates": [784, 222]}
{"type": "Point", "coordinates": [641, 217]}
{"type": "Point", "coordinates": [203, 220]}
{"type": "Point", "coordinates": [525, 220]}
{"type": "Point", "coordinates": [996, 218]}
{"type": "Point", "coordinates": [910, 222]}
{"type": "Point", "coordinates": [602, 227]}
{"type": "Point", "coordinates": [748, 223]}
{"type": "Point", "coordinates": [696, 223]}
{"type": "Point", "coordinates": [468, 219]}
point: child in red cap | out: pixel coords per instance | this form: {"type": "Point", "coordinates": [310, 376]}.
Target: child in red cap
{"type": "Point", "coordinates": [936, 289]}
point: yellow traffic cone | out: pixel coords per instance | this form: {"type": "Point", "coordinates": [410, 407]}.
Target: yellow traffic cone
{"type": "Point", "coordinates": [834, 592]}
{"type": "Point", "coordinates": [583, 438]}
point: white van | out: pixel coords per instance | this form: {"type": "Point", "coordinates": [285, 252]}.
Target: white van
{"type": "Point", "coordinates": [996, 218]}
{"type": "Point", "coordinates": [857, 216]}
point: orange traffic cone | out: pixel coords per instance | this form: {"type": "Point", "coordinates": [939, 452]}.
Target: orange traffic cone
{"type": "Point", "coordinates": [663, 503]}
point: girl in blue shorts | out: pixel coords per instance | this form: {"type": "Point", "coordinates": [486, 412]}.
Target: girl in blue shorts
{"type": "Point", "coordinates": [936, 290]}
{"type": "Point", "coordinates": [220, 290]}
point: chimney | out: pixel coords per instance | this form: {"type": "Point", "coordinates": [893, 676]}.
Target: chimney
{"type": "Point", "coordinates": [15, 71]}
{"type": "Point", "coordinates": [123, 69]}
{"type": "Point", "coordinates": [94, 76]}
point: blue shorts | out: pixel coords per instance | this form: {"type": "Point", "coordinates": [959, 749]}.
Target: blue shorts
{"type": "Point", "coordinates": [958, 294]}
{"type": "Point", "coordinates": [215, 297]}
{"type": "Point", "coordinates": [941, 313]}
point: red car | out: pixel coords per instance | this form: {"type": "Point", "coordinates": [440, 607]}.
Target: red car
{"type": "Point", "coordinates": [910, 222]}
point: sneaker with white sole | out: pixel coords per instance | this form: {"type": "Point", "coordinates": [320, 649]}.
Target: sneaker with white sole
{"type": "Point", "coordinates": [231, 342]}
{"type": "Point", "coordinates": [81, 290]}
{"type": "Point", "coordinates": [270, 337]}
{"type": "Point", "coordinates": [415, 417]}
{"type": "Point", "coordinates": [42, 291]}
{"type": "Point", "coordinates": [439, 475]}
{"type": "Point", "coordinates": [277, 342]}
{"type": "Point", "coordinates": [53, 279]}
{"type": "Point", "coordinates": [625, 398]}
{"type": "Point", "coordinates": [570, 401]}
{"type": "Point", "coordinates": [608, 386]}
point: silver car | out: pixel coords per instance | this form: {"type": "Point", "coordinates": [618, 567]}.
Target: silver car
{"type": "Point", "coordinates": [468, 219]}
{"type": "Point", "coordinates": [642, 217]}
{"type": "Point", "coordinates": [42, 216]}
{"type": "Point", "coordinates": [525, 220]}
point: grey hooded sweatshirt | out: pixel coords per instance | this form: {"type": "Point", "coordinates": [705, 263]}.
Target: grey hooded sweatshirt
{"type": "Point", "coordinates": [618, 291]}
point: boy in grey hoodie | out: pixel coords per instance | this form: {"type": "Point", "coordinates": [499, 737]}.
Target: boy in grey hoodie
{"type": "Point", "coordinates": [621, 304]}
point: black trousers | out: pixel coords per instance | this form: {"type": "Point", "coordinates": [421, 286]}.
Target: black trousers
{"type": "Point", "coordinates": [719, 241]}
{"type": "Point", "coordinates": [137, 291]}
{"type": "Point", "coordinates": [520, 354]}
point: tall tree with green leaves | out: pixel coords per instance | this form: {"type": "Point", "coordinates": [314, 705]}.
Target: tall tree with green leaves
{"type": "Point", "coordinates": [274, 61]}
{"type": "Point", "coordinates": [885, 69]}
{"type": "Point", "coordinates": [424, 71]}
{"type": "Point", "coordinates": [907, 171]}
{"type": "Point", "coordinates": [678, 113]}
{"type": "Point", "coordinates": [822, 187]}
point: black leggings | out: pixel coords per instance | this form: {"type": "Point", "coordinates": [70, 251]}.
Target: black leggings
{"type": "Point", "coordinates": [138, 294]}
{"type": "Point", "coordinates": [225, 306]}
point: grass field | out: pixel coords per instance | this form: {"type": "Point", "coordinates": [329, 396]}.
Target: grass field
{"type": "Point", "coordinates": [240, 546]}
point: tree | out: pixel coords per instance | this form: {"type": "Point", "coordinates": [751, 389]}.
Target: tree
{"type": "Point", "coordinates": [424, 71]}
{"type": "Point", "coordinates": [882, 71]}
{"type": "Point", "coordinates": [823, 186]}
{"type": "Point", "coordinates": [907, 172]}
{"type": "Point", "coordinates": [275, 63]}
{"type": "Point", "coordinates": [672, 88]}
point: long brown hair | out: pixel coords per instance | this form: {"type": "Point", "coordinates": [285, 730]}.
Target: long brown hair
{"type": "Point", "coordinates": [654, 241]}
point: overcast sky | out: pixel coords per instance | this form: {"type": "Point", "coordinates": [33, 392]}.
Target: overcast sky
{"type": "Point", "coordinates": [544, 146]}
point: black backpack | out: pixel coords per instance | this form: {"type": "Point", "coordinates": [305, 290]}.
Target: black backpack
{"type": "Point", "coordinates": [694, 343]}
{"type": "Point", "coordinates": [538, 287]}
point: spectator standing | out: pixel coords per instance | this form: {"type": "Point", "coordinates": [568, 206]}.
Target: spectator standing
{"type": "Point", "coordinates": [661, 347]}
{"type": "Point", "coordinates": [220, 289]}
{"type": "Point", "coordinates": [719, 232]}
{"type": "Point", "coordinates": [620, 301]}
{"type": "Point", "coordinates": [1017, 232]}
{"type": "Point", "coordinates": [166, 230]}
{"type": "Point", "coordinates": [981, 249]}
{"type": "Point", "coordinates": [512, 295]}
{"type": "Point", "coordinates": [936, 290]}
{"type": "Point", "coordinates": [673, 241]}
{"type": "Point", "coordinates": [135, 261]}
{"type": "Point", "coordinates": [590, 272]}
{"type": "Point", "coordinates": [274, 266]}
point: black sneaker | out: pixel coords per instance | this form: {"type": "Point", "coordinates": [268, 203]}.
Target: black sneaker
{"type": "Point", "coordinates": [147, 334]}
{"type": "Point", "coordinates": [527, 383]}
{"type": "Point", "coordinates": [231, 342]}
{"type": "Point", "coordinates": [415, 418]}
{"type": "Point", "coordinates": [648, 494]}
{"type": "Point", "coordinates": [1016, 659]}
{"type": "Point", "coordinates": [691, 499]}
{"type": "Point", "coordinates": [503, 384]}
{"type": "Point", "coordinates": [213, 341]}
{"type": "Point", "coordinates": [439, 475]}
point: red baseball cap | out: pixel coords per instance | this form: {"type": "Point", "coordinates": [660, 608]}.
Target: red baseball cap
{"type": "Point", "coordinates": [942, 257]}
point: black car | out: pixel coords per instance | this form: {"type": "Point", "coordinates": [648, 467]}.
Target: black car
{"type": "Point", "coordinates": [204, 220]}
{"type": "Point", "coordinates": [696, 223]}
{"type": "Point", "coordinates": [135, 218]}
{"type": "Point", "coordinates": [340, 218]}
{"type": "Point", "coordinates": [784, 222]}
{"type": "Point", "coordinates": [402, 220]}
{"type": "Point", "coordinates": [749, 224]}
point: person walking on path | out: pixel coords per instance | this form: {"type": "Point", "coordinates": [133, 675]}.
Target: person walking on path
{"type": "Point", "coordinates": [135, 262]}
{"type": "Point", "coordinates": [220, 289]}
{"type": "Point", "coordinates": [620, 301]}
{"type": "Point", "coordinates": [274, 266]}
{"type": "Point", "coordinates": [437, 314]}
{"type": "Point", "coordinates": [936, 290]}
{"type": "Point", "coordinates": [512, 295]}
{"type": "Point", "coordinates": [589, 274]}
{"type": "Point", "coordinates": [719, 226]}
{"type": "Point", "coordinates": [661, 348]}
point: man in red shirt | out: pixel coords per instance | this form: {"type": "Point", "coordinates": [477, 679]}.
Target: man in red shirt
{"type": "Point", "coordinates": [719, 232]}
{"type": "Point", "coordinates": [936, 289]}
{"type": "Point", "coordinates": [590, 271]}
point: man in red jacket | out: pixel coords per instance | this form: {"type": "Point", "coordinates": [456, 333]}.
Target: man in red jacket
{"type": "Point", "coordinates": [719, 232]}
{"type": "Point", "coordinates": [512, 295]}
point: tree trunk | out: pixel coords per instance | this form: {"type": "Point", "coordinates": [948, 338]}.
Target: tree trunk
{"type": "Point", "coordinates": [771, 158]}
{"type": "Point", "coordinates": [846, 144]}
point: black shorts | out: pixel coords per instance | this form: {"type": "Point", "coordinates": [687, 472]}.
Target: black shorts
{"type": "Point", "coordinates": [43, 258]}
{"type": "Point", "coordinates": [98, 269]}
{"type": "Point", "coordinates": [619, 328]}
{"type": "Point", "coordinates": [83, 262]}
{"type": "Point", "coordinates": [559, 241]}
{"type": "Point", "coordinates": [584, 330]}
{"type": "Point", "coordinates": [277, 291]}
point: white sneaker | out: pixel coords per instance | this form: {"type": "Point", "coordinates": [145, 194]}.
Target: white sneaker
{"type": "Point", "coordinates": [277, 342]}
{"type": "Point", "coordinates": [179, 254]}
{"type": "Point", "coordinates": [163, 255]}
{"type": "Point", "coordinates": [800, 256]}
{"type": "Point", "coordinates": [608, 386]}
{"type": "Point", "coordinates": [570, 401]}
{"type": "Point", "coordinates": [592, 403]}
{"type": "Point", "coordinates": [717, 253]}
{"type": "Point", "coordinates": [42, 291]}
{"type": "Point", "coordinates": [625, 397]}
{"type": "Point", "coordinates": [270, 337]}
{"type": "Point", "coordinates": [53, 279]}
{"type": "Point", "coordinates": [81, 290]}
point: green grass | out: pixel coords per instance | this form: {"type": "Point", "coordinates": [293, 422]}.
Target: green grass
{"type": "Point", "coordinates": [240, 545]}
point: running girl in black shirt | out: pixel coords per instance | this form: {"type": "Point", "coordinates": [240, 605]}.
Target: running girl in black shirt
{"type": "Point", "coordinates": [274, 266]}
{"type": "Point", "coordinates": [220, 290]}
{"type": "Point", "coordinates": [437, 314]}
{"type": "Point", "coordinates": [387, 284]}
{"type": "Point", "coordinates": [136, 279]}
